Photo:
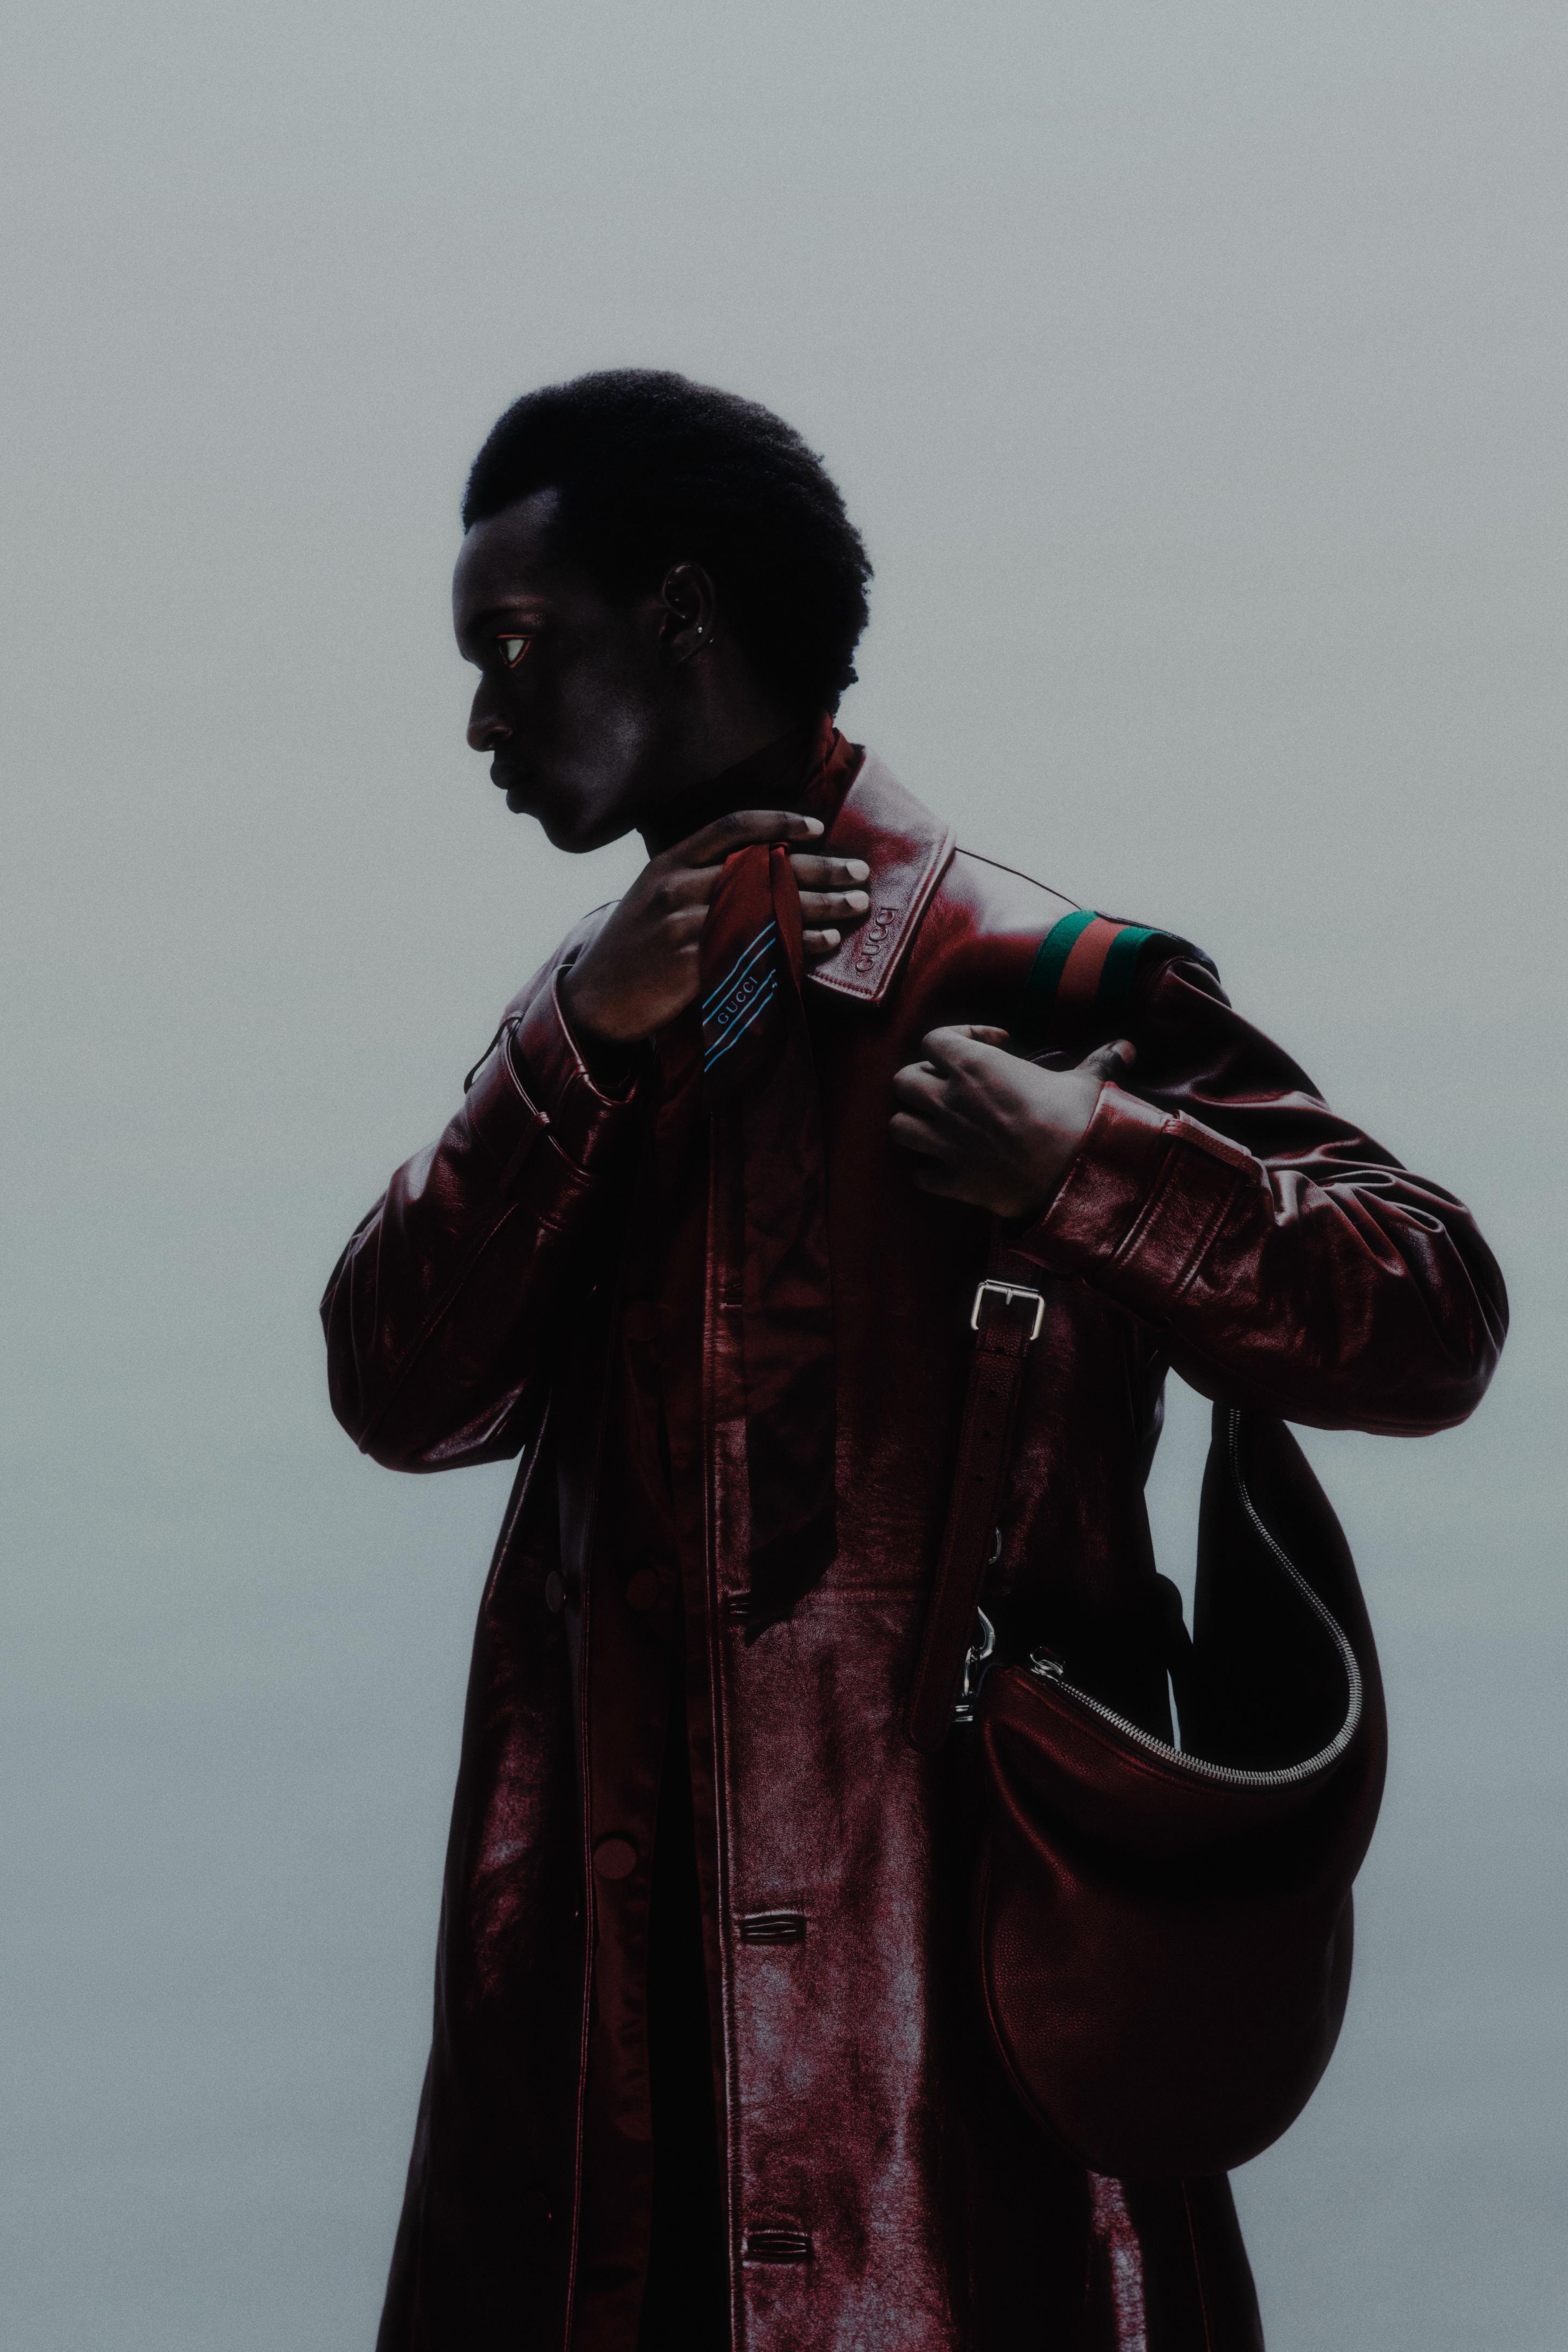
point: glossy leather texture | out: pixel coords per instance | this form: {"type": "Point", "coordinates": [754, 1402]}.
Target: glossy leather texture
{"type": "Point", "coordinates": [885, 2190]}
{"type": "Point", "coordinates": [1166, 1939]}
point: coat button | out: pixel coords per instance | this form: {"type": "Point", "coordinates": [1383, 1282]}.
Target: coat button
{"type": "Point", "coordinates": [642, 1589]}
{"type": "Point", "coordinates": [615, 1857]}
{"type": "Point", "coordinates": [554, 1589]}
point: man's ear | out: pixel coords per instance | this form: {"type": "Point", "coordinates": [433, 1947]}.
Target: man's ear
{"type": "Point", "coordinates": [688, 597]}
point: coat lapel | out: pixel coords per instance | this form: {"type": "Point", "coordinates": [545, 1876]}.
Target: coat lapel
{"type": "Point", "coordinates": [908, 850]}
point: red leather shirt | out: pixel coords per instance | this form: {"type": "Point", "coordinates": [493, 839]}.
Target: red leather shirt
{"type": "Point", "coordinates": [879, 2192]}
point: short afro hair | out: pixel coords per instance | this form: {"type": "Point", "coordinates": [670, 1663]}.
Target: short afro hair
{"type": "Point", "coordinates": [653, 470]}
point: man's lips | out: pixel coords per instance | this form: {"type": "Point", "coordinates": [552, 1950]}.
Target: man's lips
{"type": "Point", "coordinates": [512, 782]}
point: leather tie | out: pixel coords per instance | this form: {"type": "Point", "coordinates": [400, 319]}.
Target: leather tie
{"type": "Point", "coordinates": [758, 1070]}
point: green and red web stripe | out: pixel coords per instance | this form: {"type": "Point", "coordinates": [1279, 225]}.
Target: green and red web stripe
{"type": "Point", "coordinates": [1083, 972]}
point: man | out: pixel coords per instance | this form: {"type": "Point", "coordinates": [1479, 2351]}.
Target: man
{"type": "Point", "coordinates": [701, 1246]}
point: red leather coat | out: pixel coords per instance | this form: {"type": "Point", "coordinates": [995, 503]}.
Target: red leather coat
{"type": "Point", "coordinates": [881, 2195]}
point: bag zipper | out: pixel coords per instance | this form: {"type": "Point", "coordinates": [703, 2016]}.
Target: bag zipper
{"type": "Point", "coordinates": [1047, 1667]}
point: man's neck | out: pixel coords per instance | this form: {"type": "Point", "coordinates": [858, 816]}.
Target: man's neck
{"type": "Point", "coordinates": [763, 776]}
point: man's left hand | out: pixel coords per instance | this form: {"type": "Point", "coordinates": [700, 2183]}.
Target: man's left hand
{"type": "Point", "coordinates": [990, 1128]}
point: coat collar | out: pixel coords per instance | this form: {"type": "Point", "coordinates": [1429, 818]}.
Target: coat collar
{"type": "Point", "coordinates": [908, 850]}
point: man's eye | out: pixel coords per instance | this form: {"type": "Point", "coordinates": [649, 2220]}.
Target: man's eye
{"type": "Point", "coordinates": [512, 649]}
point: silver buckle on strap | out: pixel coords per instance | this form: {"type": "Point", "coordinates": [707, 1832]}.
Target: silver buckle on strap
{"type": "Point", "coordinates": [1009, 1291]}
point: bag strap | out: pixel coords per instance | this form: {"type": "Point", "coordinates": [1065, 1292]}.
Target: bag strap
{"type": "Point", "coordinates": [1006, 1320]}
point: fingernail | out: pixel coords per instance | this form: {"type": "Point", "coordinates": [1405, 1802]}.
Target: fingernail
{"type": "Point", "coordinates": [830, 939]}
{"type": "Point", "coordinates": [813, 825]}
{"type": "Point", "coordinates": [859, 901]}
{"type": "Point", "coordinates": [858, 869]}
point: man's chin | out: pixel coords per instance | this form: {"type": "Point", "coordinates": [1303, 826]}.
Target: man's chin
{"type": "Point", "coordinates": [525, 799]}
{"type": "Point", "coordinates": [562, 827]}
{"type": "Point", "coordinates": [567, 820]}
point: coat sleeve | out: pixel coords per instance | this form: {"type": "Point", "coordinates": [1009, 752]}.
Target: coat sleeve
{"type": "Point", "coordinates": [1289, 1263]}
{"type": "Point", "coordinates": [445, 1312]}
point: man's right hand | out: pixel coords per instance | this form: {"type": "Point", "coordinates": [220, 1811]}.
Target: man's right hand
{"type": "Point", "coordinates": [641, 967]}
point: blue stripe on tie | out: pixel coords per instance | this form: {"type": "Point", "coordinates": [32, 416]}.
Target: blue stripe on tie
{"type": "Point", "coordinates": [741, 1026]}
{"type": "Point", "coordinates": [747, 956]}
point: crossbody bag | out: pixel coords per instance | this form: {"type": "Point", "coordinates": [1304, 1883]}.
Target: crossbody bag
{"type": "Point", "coordinates": [1161, 1933]}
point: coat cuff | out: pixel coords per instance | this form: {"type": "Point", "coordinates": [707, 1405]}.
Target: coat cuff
{"type": "Point", "coordinates": [535, 1079]}
{"type": "Point", "coordinates": [1139, 1205]}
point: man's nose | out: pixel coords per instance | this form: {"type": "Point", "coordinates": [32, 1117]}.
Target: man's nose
{"type": "Point", "coordinates": [487, 727]}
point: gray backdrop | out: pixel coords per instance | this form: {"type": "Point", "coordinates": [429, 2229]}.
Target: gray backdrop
{"type": "Point", "coordinates": [1196, 372]}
